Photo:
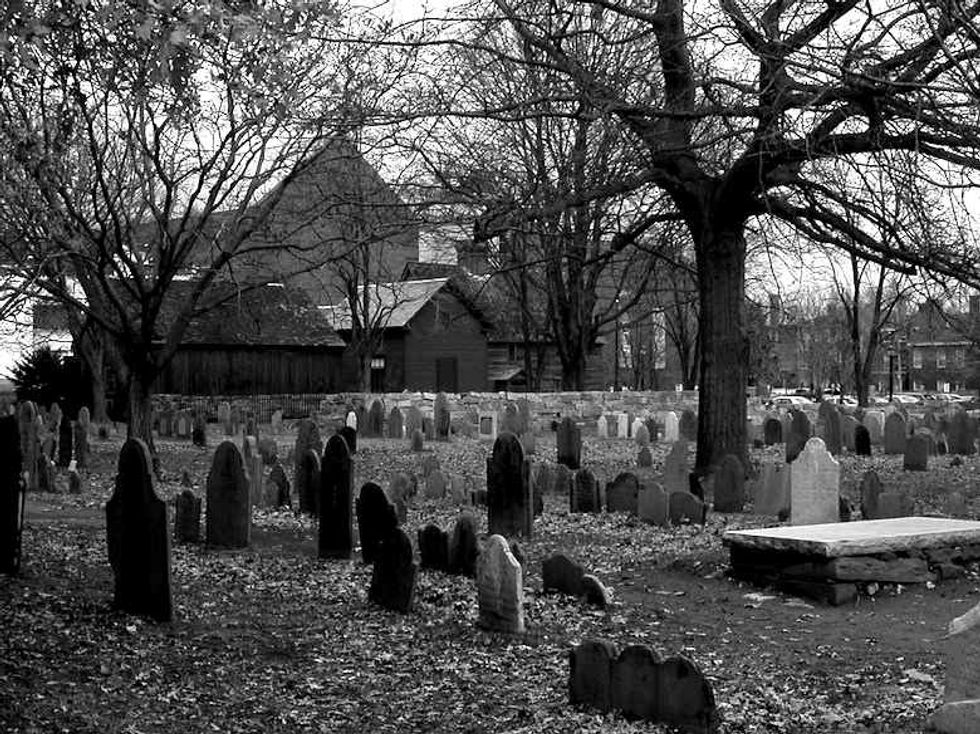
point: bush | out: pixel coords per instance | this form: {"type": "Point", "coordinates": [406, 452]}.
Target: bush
{"type": "Point", "coordinates": [47, 377]}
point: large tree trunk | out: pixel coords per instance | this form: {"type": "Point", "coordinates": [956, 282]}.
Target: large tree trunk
{"type": "Point", "coordinates": [724, 346]}
{"type": "Point", "coordinates": [140, 423]}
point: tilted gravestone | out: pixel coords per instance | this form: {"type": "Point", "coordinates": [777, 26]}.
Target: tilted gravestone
{"type": "Point", "coordinates": [441, 417]}
{"type": "Point", "coordinates": [683, 507]}
{"type": "Point", "coordinates": [652, 505]}
{"type": "Point", "coordinates": [622, 493]}
{"type": "Point", "coordinates": [862, 440]}
{"type": "Point", "coordinates": [688, 425]}
{"type": "Point", "coordinates": [187, 517]}
{"type": "Point", "coordinates": [229, 513]}
{"type": "Point", "coordinates": [137, 537]}
{"type": "Point", "coordinates": [376, 520]}
{"type": "Point", "coordinates": [814, 486]}
{"type": "Point", "coordinates": [916, 456]}
{"type": "Point", "coordinates": [584, 496]}
{"type": "Point", "coordinates": [560, 573]}
{"type": "Point", "coordinates": [569, 443]}
{"type": "Point", "coordinates": [772, 431]}
{"type": "Point", "coordinates": [433, 548]}
{"type": "Point", "coordinates": [729, 485]}
{"type": "Point", "coordinates": [336, 536]}
{"type": "Point", "coordinates": [308, 482]}
{"type": "Point", "coordinates": [463, 546]}
{"type": "Point", "coordinates": [12, 496]}
{"type": "Point", "coordinates": [396, 426]}
{"type": "Point", "coordinates": [800, 431]}
{"type": "Point", "coordinates": [895, 433]}
{"type": "Point", "coordinates": [394, 573]}
{"type": "Point", "coordinates": [510, 509]}
{"type": "Point", "coordinates": [500, 588]}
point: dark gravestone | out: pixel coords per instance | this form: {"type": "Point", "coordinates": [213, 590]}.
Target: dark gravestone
{"type": "Point", "coordinates": [694, 485]}
{"type": "Point", "coordinates": [229, 519]}
{"type": "Point", "coordinates": [688, 425]}
{"type": "Point", "coordinates": [269, 450]}
{"type": "Point", "coordinates": [591, 674]}
{"type": "Point", "coordinates": [684, 507]}
{"type": "Point", "coordinates": [895, 433]}
{"type": "Point", "coordinates": [830, 427]}
{"type": "Point", "coordinates": [428, 428]}
{"type": "Point", "coordinates": [870, 492]}
{"type": "Point", "coordinates": [962, 434]}
{"type": "Point", "coordinates": [800, 431]}
{"type": "Point", "coordinates": [916, 457]}
{"type": "Point", "coordinates": [30, 446]}
{"type": "Point", "coordinates": [137, 537]}
{"type": "Point", "coordinates": [560, 573]}
{"type": "Point", "coordinates": [441, 417]}
{"type": "Point", "coordinates": [772, 431]}
{"type": "Point", "coordinates": [279, 480]}
{"type": "Point", "coordinates": [394, 572]}
{"type": "Point", "coordinates": [396, 426]}
{"type": "Point", "coordinates": [510, 509]}
{"type": "Point", "coordinates": [687, 701]}
{"type": "Point", "coordinates": [644, 459]}
{"type": "Point", "coordinates": [81, 438]}
{"type": "Point", "coordinates": [569, 443]}
{"type": "Point", "coordinates": [350, 436]}
{"type": "Point", "coordinates": [376, 520]}
{"type": "Point", "coordinates": [12, 496]}
{"type": "Point", "coordinates": [636, 683]}
{"type": "Point", "coordinates": [199, 431]}
{"type": "Point", "coordinates": [730, 485]}
{"type": "Point", "coordinates": [66, 433]}
{"type": "Point", "coordinates": [894, 504]}
{"type": "Point", "coordinates": [622, 493]}
{"type": "Point", "coordinates": [375, 421]}
{"type": "Point", "coordinates": [74, 482]}
{"type": "Point", "coordinates": [187, 517]}
{"type": "Point", "coordinates": [652, 504]}
{"type": "Point", "coordinates": [594, 593]}
{"type": "Point", "coordinates": [434, 548]}
{"type": "Point", "coordinates": [308, 482]}
{"type": "Point", "coordinates": [862, 440]}
{"type": "Point", "coordinates": [418, 440]}
{"type": "Point", "coordinates": [584, 496]}
{"type": "Point", "coordinates": [463, 546]}
{"type": "Point", "coordinates": [336, 538]}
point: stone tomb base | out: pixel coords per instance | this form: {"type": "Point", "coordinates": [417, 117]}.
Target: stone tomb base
{"type": "Point", "coordinates": [829, 562]}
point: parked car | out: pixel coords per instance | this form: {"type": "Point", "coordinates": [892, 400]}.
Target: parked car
{"type": "Point", "coordinates": [789, 401]}
{"type": "Point", "coordinates": [906, 399]}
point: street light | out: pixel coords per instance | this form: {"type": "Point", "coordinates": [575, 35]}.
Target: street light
{"type": "Point", "coordinates": [891, 374]}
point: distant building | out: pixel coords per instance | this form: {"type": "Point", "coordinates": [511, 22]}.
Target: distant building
{"type": "Point", "coordinates": [942, 348]}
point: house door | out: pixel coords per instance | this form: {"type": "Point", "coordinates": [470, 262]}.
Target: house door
{"type": "Point", "coordinates": [447, 378]}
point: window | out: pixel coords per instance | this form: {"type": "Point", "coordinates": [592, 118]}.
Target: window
{"type": "Point", "coordinates": [960, 356]}
{"type": "Point", "coordinates": [917, 358]}
{"type": "Point", "coordinates": [377, 374]}
{"type": "Point", "coordinates": [940, 358]}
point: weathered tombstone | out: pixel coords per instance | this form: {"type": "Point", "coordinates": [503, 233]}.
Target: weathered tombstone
{"type": "Point", "coordinates": [916, 453]}
{"type": "Point", "coordinates": [441, 417]}
{"type": "Point", "coordinates": [413, 420]}
{"type": "Point", "coordinates": [351, 419]}
{"type": "Point", "coordinates": [688, 425]}
{"type": "Point", "coordinates": [66, 433]}
{"type": "Point", "coordinates": [500, 588]}
{"type": "Point", "coordinates": [874, 421]}
{"type": "Point", "coordinates": [229, 513]}
{"type": "Point", "coordinates": [644, 459]}
{"type": "Point", "coordinates": [400, 486]}
{"type": "Point", "coordinates": [641, 434]}
{"type": "Point", "coordinates": [894, 504]}
{"type": "Point", "coordinates": [800, 431]}
{"type": "Point", "coordinates": [601, 427]}
{"type": "Point", "coordinates": [830, 428]}
{"type": "Point", "coordinates": [848, 425]}
{"type": "Point", "coordinates": [672, 429]}
{"type": "Point", "coordinates": [683, 507]}
{"type": "Point", "coordinates": [688, 701]}
{"type": "Point", "coordinates": [895, 433]}
{"type": "Point", "coordinates": [336, 537]}
{"type": "Point", "coordinates": [435, 485]}
{"type": "Point", "coordinates": [560, 573]}
{"type": "Point", "coordinates": [772, 491]}
{"type": "Point", "coordinates": [729, 485]}
{"type": "Point", "coordinates": [396, 426]}
{"type": "Point", "coordinates": [590, 679]}
{"type": "Point", "coordinates": [569, 443]}
{"type": "Point", "coordinates": [584, 495]}
{"type": "Point", "coordinates": [308, 482]}
{"type": "Point", "coordinates": [12, 496]}
{"type": "Point", "coordinates": [962, 435]}
{"type": "Point", "coordinates": [279, 489]}
{"type": "Point", "coordinates": [236, 420]}
{"type": "Point", "coordinates": [457, 489]}
{"type": "Point", "coordinates": [463, 546]}
{"type": "Point", "coordinates": [350, 437]}
{"type": "Point", "coordinates": [418, 440]}
{"type": "Point", "coordinates": [676, 468]}
{"type": "Point", "coordinates": [622, 493]}
{"type": "Point", "coordinates": [199, 430]}
{"type": "Point", "coordinates": [635, 676]}
{"type": "Point", "coordinates": [814, 486]}
{"type": "Point", "coordinates": [486, 425]}
{"type": "Point", "coordinates": [255, 470]}
{"type": "Point", "coordinates": [862, 440]}
{"type": "Point", "coordinates": [374, 427]}
{"type": "Point", "coordinates": [960, 711]}
{"type": "Point", "coordinates": [434, 548]}
{"type": "Point", "coordinates": [772, 431]}
{"type": "Point", "coordinates": [269, 450]}
{"type": "Point", "coordinates": [394, 572]}
{"type": "Point", "coordinates": [376, 520]}
{"type": "Point", "coordinates": [652, 504]}
{"type": "Point", "coordinates": [137, 537]}
{"type": "Point", "coordinates": [509, 502]}
{"type": "Point", "coordinates": [870, 492]}
{"type": "Point", "coordinates": [187, 517]}
{"type": "Point", "coordinates": [955, 505]}
{"type": "Point", "coordinates": [30, 448]}
{"type": "Point", "coordinates": [224, 417]}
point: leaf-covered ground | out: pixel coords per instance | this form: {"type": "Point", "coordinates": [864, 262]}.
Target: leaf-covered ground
{"type": "Point", "coordinates": [272, 639]}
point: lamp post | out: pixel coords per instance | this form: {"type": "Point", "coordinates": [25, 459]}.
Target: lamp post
{"type": "Point", "coordinates": [891, 374]}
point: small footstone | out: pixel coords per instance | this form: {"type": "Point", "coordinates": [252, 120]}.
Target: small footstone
{"type": "Point", "coordinates": [187, 518]}
{"type": "Point", "coordinates": [595, 592]}
{"type": "Point", "coordinates": [684, 507]}
{"type": "Point", "coordinates": [560, 573]}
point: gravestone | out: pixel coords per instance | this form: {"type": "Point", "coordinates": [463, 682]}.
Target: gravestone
{"type": "Point", "coordinates": [30, 447]}
{"type": "Point", "coordinates": [961, 437]}
{"type": "Point", "coordinates": [688, 425]}
{"type": "Point", "coordinates": [641, 434]}
{"type": "Point", "coordinates": [569, 443]}
{"type": "Point", "coordinates": [584, 496]}
{"type": "Point", "coordinates": [683, 507]}
{"type": "Point", "coordinates": [463, 546]}
{"type": "Point", "coordinates": [772, 431]}
{"type": "Point", "coordinates": [676, 468]}
{"type": "Point", "coordinates": [199, 431]}
{"type": "Point", "coordinates": [434, 548]}
{"type": "Point", "coordinates": [441, 417]}
{"type": "Point", "coordinates": [916, 453]}
{"type": "Point", "coordinates": [276, 421]}
{"type": "Point", "coordinates": [500, 588]}
{"type": "Point", "coordinates": [955, 505]}
{"type": "Point", "coordinates": [814, 486]}
{"type": "Point", "coordinates": [652, 504]}
{"type": "Point", "coordinates": [848, 425]}
{"type": "Point", "coordinates": [510, 419]}
{"type": "Point", "coordinates": [590, 678]}
{"type": "Point", "coordinates": [428, 428]}
{"type": "Point", "coordinates": [800, 431]}
{"type": "Point", "coordinates": [53, 430]}
{"type": "Point", "coordinates": [401, 486]}
{"type": "Point", "coordinates": [74, 482]}
{"type": "Point", "coordinates": [12, 496]}
{"type": "Point", "coordinates": [351, 419]}
{"type": "Point", "coordinates": [644, 459]}
{"type": "Point", "coordinates": [430, 463]}
{"type": "Point", "coordinates": [601, 428]}
{"type": "Point", "coordinates": [560, 573]}
{"type": "Point", "coordinates": [509, 503]}
{"type": "Point", "coordinates": [871, 490]}
{"type": "Point", "coordinates": [830, 428]}
{"type": "Point", "coordinates": [960, 711]}
{"type": "Point", "coordinates": [457, 489]}
{"type": "Point", "coordinates": [418, 440]}
{"type": "Point", "coordinates": [435, 485]}
{"type": "Point", "coordinates": [66, 433]}
{"type": "Point", "coordinates": [413, 420]}
{"type": "Point", "coordinates": [396, 426]}
{"type": "Point", "coordinates": [336, 536]}
{"type": "Point", "coordinates": [81, 444]}
{"type": "Point", "coordinates": [874, 421]}
{"type": "Point", "coordinates": [394, 572]}
{"type": "Point", "coordinates": [375, 421]}
{"type": "Point", "coordinates": [895, 433]}
{"type": "Point", "coordinates": [862, 440]}
{"type": "Point", "coordinates": [268, 450]}
{"type": "Point", "coordinates": [525, 423]}
{"type": "Point", "coordinates": [672, 430]}
{"type": "Point", "coordinates": [228, 521]}
{"type": "Point", "coordinates": [224, 417]}
{"type": "Point", "coordinates": [307, 439]}
{"type": "Point", "coordinates": [376, 520]}
{"type": "Point", "coordinates": [772, 491]}
{"type": "Point", "coordinates": [278, 484]}
{"type": "Point", "coordinates": [187, 517]}
{"type": "Point", "coordinates": [894, 504]}
{"type": "Point", "coordinates": [622, 493]}
{"type": "Point", "coordinates": [729, 485]}
{"type": "Point", "coordinates": [594, 592]}
{"type": "Point", "coordinates": [308, 482]}
{"type": "Point", "coordinates": [137, 537]}
{"type": "Point", "coordinates": [350, 437]}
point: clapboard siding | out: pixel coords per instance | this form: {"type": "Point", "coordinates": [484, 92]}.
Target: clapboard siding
{"type": "Point", "coordinates": [443, 328]}
{"type": "Point", "coordinates": [251, 370]}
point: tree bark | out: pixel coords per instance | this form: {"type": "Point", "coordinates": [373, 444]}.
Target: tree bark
{"type": "Point", "coordinates": [724, 346]}
{"type": "Point", "coordinates": [140, 424]}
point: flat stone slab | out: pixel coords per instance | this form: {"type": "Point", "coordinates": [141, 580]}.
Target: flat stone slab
{"type": "Point", "coordinates": [865, 537]}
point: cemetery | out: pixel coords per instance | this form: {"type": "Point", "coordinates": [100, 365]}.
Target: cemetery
{"type": "Point", "coordinates": [547, 578]}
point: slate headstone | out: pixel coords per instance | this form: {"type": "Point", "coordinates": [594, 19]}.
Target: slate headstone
{"type": "Point", "coordinates": [229, 513]}
{"type": "Point", "coordinates": [463, 546]}
{"type": "Point", "coordinates": [672, 430]}
{"type": "Point", "coordinates": [435, 485]}
{"type": "Point", "coordinates": [772, 431]}
{"type": "Point", "coordinates": [862, 440]}
{"type": "Point", "coordinates": [187, 517]}
{"type": "Point", "coordinates": [350, 436]}
{"type": "Point", "coordinates": [895, 433]}
{"type": "Point", "coordinates": [590, 679]}
{"type": "Point", "coordinates": [683, 507]}
{"type": "Point", "coordinates": [800, 431]}
{"type": "Point", "coordinates": [601, 427]}
{"type": "Point", "coordinates": [871, 490]}
{"type": "Point", "coordinates": [676, 468]}
{"type": "Point", "coordinates": [434, 548]}
{"type": "Point", "coordinates": [729, 485]}
{"type": "Point", "coordinates": [772, 491]}
{"type": "Point", "coordinates": [12, 496]}
{"type": "Point", "coordinates": [569, 443]}
{"type": "Point", "coordinates": [584, 496]}
{"type": "Point", "coordinates": [644, 459]}
{"type": "Point", "coordinates": [66, 434]}
{"type": "Point", "coordinates": [81, 443]}
{"type": "Point", "coordinates": [441, 417]}
{"type": "Point", "coordinates": [962, 434]}
{"type": "Point", "coordinates": [688, 425]}
{"type": "Point", "coordinates": [376, 520]}
{"type": "Point", "coordinates": [652, 504]}
{"type": "Point", "coordinates": [500, 588]}
{"type": "Point", "coordinates": [336, 536]}
{"type": "Point", "coordinates": [280, 482]}
{"type": "Point", "coordinates": [509, 501]}
{"type": "Point", "coordinates": [396, 426]}
{"type": "Point", "coordinates": [622, 493]}
{"type": "Point", "coordinates": [308, 482]}
{"type": "Point", "coordinates": [916, 453]}
{"type": "Point", "coordinates": [641, 434]}
{"type": "Point", "coordinates": [394, 573]}
{"type": "Point", "coordinates": [560, 573]}
{"type": "Point", "coordinates": [830, 427]}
